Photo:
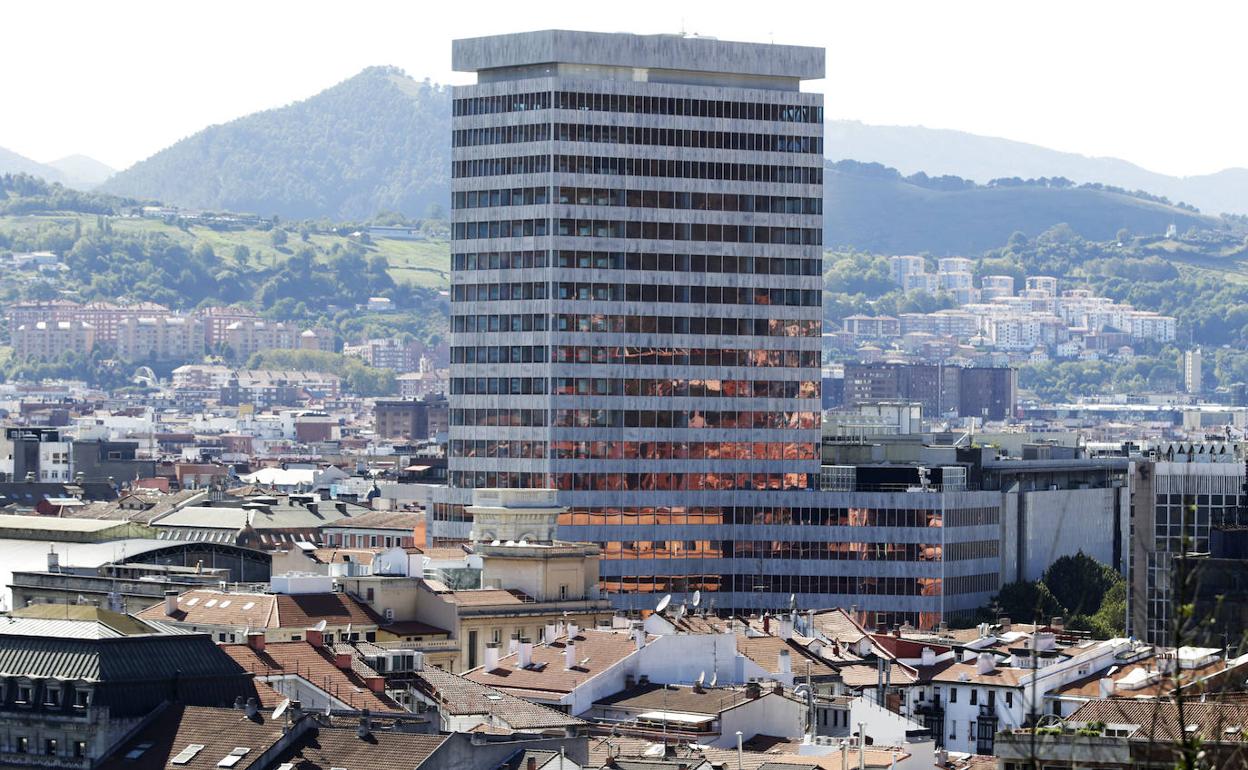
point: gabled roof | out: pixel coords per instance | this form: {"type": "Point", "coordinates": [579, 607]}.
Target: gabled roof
{"type": "Point", "coordinates": [765, 651]}
{"type": "Point", "coordinates": [178, 729]}
{"type": "Point", "coordinates": [459, 696]}
{"type": "Point", "coordinates": [836, 624]}
{"type": "Point", "coordinates": [211, 607]}
{"type": "Point", "coordinates": [340, 747]}
{"type": "Point", "coordinates": [316, 665]}
{"type": "Point", "coordinates": [595, 652]}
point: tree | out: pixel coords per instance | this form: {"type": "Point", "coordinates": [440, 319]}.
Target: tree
{"type": "Point", "coordinates": [1079, 582]}
{"type": "Point", "coordinates": [277, 236]}
{"type": "Point", "coordinates": [1024, 601]}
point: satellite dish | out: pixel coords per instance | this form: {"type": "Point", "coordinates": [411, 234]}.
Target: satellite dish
{"type": "Point", "coordinates": [281, 708]}
{"type": "Point", "coordinates": [701, 678]}
{"type": "Point", "coordinates": [714, 678]}
{"type": "Point", "coordinates": [348, 632]}
{"type": "Point", "coordinates": [662, 605]}
{"type": "Point", "coordinates": [320, 625]}
{"type": "Point", "coordinates": [792, 601]}
{"type": "Point", "coordinates": [680, 612]}
{"type": "Point", "coordinates": [697, 598]}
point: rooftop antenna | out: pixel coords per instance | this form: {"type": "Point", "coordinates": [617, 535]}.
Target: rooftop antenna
{"type": "Point", "coordinates": [281, 708]}
{"type": "Point", "coordinates": [662, 605]}
{"type": "Point", "coordinates": [320, 625]}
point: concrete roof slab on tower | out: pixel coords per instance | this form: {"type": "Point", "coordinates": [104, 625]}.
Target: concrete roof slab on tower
{"type": "Point", "coordinates": [615, 49]}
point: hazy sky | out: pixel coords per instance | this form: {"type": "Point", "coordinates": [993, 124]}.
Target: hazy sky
{"type": "Point", "coordinates": [1159, 84]}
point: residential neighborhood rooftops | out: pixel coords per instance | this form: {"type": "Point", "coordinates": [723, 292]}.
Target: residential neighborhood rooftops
{"type": "Point", "coordinates": [461, 696]}
{"type": "Point", "coordinates": [548, 674]}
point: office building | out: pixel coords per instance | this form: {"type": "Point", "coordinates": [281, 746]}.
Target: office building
{"type": "Point", "coordinates": [636, 281]}
{"type": "Point", "coordinates": [1191, 371]}
{"type": "Point", "coordinates": [1181, 493]}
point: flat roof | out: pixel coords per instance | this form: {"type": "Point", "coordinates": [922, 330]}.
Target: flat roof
{"type": "Point", "coordinates": [619, 49]}
{"type": "Point", "coordinates": [57, 524]}
{"type": "Point", "coordinates": [32, 556]}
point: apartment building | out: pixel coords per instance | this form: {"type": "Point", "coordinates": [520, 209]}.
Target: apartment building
{"type": "Point", "coordinates": [160, 338]}
{"type": "Point", "coordinates": [49, 340]}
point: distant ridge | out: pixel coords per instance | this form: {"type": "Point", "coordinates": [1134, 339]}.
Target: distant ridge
{"type": "Point", "coordinates": [983, 158]}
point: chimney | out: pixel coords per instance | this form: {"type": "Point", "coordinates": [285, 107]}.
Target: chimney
{"type": "Point", "coordinates": [986, 663]}
{"type": "Point", "coordinates": [54, 559]}
{"type": "Point", "coordinates": [253, 708]}
{"type": "Point", "coordinates": [766, 624]}
{"type": "Point", "coordinates": [1005, 623]}
{"type": "Point", "coordinates": [296, 711]}
{"type": "Point", "coordinates": [928, 656]}
{"type": "Point", "coordinates": [753, 691]}
{"type": "Point", "coordinates": [550, 633]}
{"type": "Point", "coordinates": [896, 632]}
{"type": "Point", "coordinates": [569, 655]}
{"type": "Point", "coordinates": [343, 660]}
{"type": "Point", "coordinates": [491, 656]}
{"type": "Point", "coordinates": [1057, 623]}
{"type": "Point", "coordinates": [639, 637]}
{"type": "Point", "coordinates": [785, 629]}
{"type": "Point", "coordinates": [365, 729]}
{"type": "Point", "coordinates": [573, 630]}
{"type": "Point", "coordinates": [513, 645]}
{"type": "Point", "coordinates": [375, 683]}
{"type": "Point", "coordinates": [255, 640]}
{"type": "Point", "coordinates": [531, 764]}
{"type": "Point", "coordinates": [785, 663]}
{"type": "Point", "coordinates": [1107, 687]}
{"type": "Point", "coordinates": [171, 603]}
{"type": "Point", "coordinates": [239, 703]}
{"type": "Point", "coordinates": [778, 688]}
{"type": "Point", "coordinates": [315, 638]}
{"type": "Point", "coordinates": [525, 652]}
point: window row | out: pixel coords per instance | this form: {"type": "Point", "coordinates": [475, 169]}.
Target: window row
{"type": "Point", "coordinates": [989, 582]}
{"type": "Point", "coordinates": [688, 295]}
{"type": "Point", "coordinates": [500, 322]}
{"type": "Point", "coordinates": [516, 164]}
{"type": "Point", "coordinates": [643, 324]}
{"type": "Point", "coordinates": [499, 292]}
{"type": "Point", "coordinates": [976, 549]}
{"type": "Point", "coordinates": [523, 450]}
{"type": "Point", "coordinates": [751, 515]}
{"type": "Point", "coordinates": [497, 480]}
{"type": "Point", "coordinates": [698, 108]}
{"type": "Point", "coordinates": [490, 105]}
{"type": "Point", "coordinates": [513, 196]}
{"type": "Point", "coordinates": [500, 260]}
{"type": "Point", "coordinates": [696, 201]}
{"type": "Point", "coordinates": [676, 387]}
{"type": "Point", "coordinates": [973, 517]}
{"type": "Point", "coordinates": [806, 550]}
{"type": "Point", "coordinates": [504, 228]}
{"type": "Point", "coordinates": [503, 386]}
{"type": "Point", "coordinates": [832, 584]}
{"type": "Point", "coordinates": [688, 263]}
{"type": "Point", "coordinates": [681, 356]}
{"type": "Point", "coordinates": [679, 482]}
{"type": "Point", "coordinates": [663, 418]}
{"type": "Point", "coordinates": [523, 132]}
{"type": "Point", "coordinates": [500, 418]}
{"type": "Point", "coordinates": [686, 169]}
{"type": "Point", "coordinates": [683, 450]}
{"type": "Point", "coordinates": [499, 354]}
{"type": "Point", "coordinates": [687, 137]}
{"type": "Point", "coordinates": [664, 231]}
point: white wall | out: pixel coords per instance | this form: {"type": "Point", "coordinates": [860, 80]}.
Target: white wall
{"type": "Point", "coordinates": [769, 715]}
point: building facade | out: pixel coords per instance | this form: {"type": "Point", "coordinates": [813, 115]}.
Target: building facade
{"type": "Point", "coordinates": [636, 285]}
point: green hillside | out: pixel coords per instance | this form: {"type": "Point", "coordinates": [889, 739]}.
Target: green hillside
{"type": "Point", "coordinates": [376, 142]}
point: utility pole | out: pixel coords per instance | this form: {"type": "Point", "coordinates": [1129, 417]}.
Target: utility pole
{"type": "Point", "coordinates": [862, 746]}
{"type": "Point", "coordinates": [740, 753]}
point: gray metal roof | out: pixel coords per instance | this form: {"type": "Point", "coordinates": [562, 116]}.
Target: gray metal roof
{"type": "Point", "coordinates": [63, 629]}
{"type": "Point", "coordinates": [235, 518]}
{"type": "Point", "coordinates": [670, 52]}
{"type": "Point", "coordinates": [32, 556]}
{"type": "Point", "coordinates": [123, 659]}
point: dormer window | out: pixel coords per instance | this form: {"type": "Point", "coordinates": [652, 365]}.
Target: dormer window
{"type": "Point", "coordinates": [52, 696]}
{"type": "Point", "coordinates": [82, 697]}
{"type": "Point", "coordinates": [25, 693]}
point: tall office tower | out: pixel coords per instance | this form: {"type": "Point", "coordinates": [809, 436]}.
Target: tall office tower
{"type": "Point", "coordinates": [1182, 494]}
{"type": "Point", "coordinates": [636, 289]}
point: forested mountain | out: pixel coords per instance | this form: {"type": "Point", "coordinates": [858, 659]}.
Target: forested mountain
{"type": "Point", "coordinates": [376, 142]}
{"type": "Point", "coordinates": [12, 163]}
{"type": "Point", "coordinates": [872, 207]}
{"type": "Point", "coordinates": [941, 151]}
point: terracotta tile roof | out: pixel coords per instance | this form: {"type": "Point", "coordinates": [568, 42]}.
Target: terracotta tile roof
{"type": "Point", "coordinates": [210, 607]}
{"type": "Point", "coordinates": [1159, 721]}
{"type": "Point", "coordinates": [314, 664]}
{"type": "Point", "coordinates": [866, 674]}
{"type": "Point", "coordinates": [765, 651]}
{"type": "Point", "coordinates": [330, 747]}
{"type": "Point", "coordinates": [460, 696]}
{"type": "Point", "coordinates": [337, 609]}
{"type": "Point", "coordinates": [838, 625]}
{"type": "Point", "coordinates": [900, 647]}
{"type": "Point", "coordinates": [414, 628]}
{"type": "Point", "coordinates": [218, 730]}
{"type": "Point", "coordinates": [1001, 676]}
{"type": "Point", "coordinates": [1090, 687]}
{"type": "Point", "coordinates": [404, 522]}
{"type": "Point", "coordinates": [658, 697]}
{"type": "Point", "coordinates": [547, 674]}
